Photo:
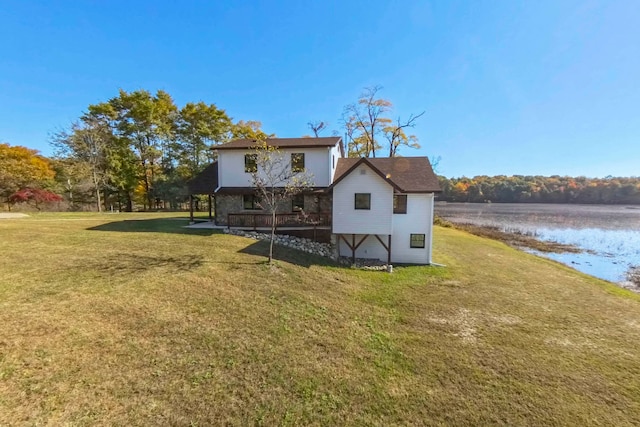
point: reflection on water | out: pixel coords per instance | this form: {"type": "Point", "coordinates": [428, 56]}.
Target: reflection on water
{"type": "Point", "coordinates": [610, 235]}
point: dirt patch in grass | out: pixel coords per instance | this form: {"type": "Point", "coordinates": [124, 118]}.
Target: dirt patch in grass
{"type": "Point", "coordinates": [12, 215]}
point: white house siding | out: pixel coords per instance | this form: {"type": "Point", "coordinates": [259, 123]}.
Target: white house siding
{"type": "Point", "coordinates": [347, 219]}
{"type": "Point", "coordinates": [231, 166]}
{"type": "Point", "coordinates": [417, 220]}
{"type": "Point", "coordinates": [334, 155]}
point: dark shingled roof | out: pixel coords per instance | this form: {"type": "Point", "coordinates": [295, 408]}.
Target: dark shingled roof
{"type": "Point", "coordinates": [405, 174]}
{"type": "Point", "coordinates": [205, 182]}
{"type": "Point", "coordinates": [281, 143]}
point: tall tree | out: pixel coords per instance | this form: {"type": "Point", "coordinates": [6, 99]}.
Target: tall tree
{"type": "Point", "coordinates": [366, 122]}
{"type": "Point", "coordinates": [396, 136]}
{"type": "Point", "coordinates": [147, 124]}
{"type": "Point", "coordinates": [250, 129]}
{"type": "Point", "coordinates": [199, 127]}
{"type": "Point", "coordinates": [87, 142]}
{"type": "Point", "coordinates": [275, 182]}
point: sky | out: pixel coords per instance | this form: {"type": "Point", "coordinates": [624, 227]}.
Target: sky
{"type": "Point", "coordinates": [507, 87]}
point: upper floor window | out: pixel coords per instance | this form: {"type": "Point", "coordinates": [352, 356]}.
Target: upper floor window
{"type": "Point", "coordinates": [363, 201]}
{"type": "Point", "coordinates": [297, 203]}
{"type": "Point", "coordinates": [400, 204]}
{"type": "Point", "coordinates": [251, 163]}
{"type": "Point", "coordinates": [251, 202]}
{"type": "Point", "coordinates": [297, 162]}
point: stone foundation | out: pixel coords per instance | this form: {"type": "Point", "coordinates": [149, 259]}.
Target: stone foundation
{"type": "Point", "coordinates": [226, 204]}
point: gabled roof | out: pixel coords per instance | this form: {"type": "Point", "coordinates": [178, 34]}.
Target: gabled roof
{"type": "Point", "coordinates": [281, 143]}
{"type": "Point", "coordinates": [404, 174]}
{"type": "Point", "coordinates": [205, 182]}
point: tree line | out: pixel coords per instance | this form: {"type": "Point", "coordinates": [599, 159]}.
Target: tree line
{"type": "Point", "coordinates": [541, 189]}
{"type": "Point", "coordinates": [139, 149]}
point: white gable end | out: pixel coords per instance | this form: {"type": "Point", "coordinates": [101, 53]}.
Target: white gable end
{"type": "Point", "coordinates": [349, 220]}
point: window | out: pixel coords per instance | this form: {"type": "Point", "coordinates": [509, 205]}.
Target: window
{"type": "Point", "coordinates": [333, 161]}
{"type": "Point", "coordinates": [417, 241]}
{"type": "Point", "coordinates": [400, 204]}
{"type": "Point", "coordinates": [297, 203]}
{"type": "Point", "coordinates": [363, 200]}
{"type": "Point", "coordinates": [297, 162]}
{"type": "Point", "coordinates": [250, 202]}
{"type": "Point", "coordinates": [250, 163]}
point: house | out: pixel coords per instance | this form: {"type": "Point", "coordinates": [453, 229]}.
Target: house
{"type": "Point", "coordinates": [378, 208]}
{"type": "Point", "coordinates": [383, 208]}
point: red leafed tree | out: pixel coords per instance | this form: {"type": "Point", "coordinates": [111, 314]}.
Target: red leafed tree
{"type": "Point", "coordinates": [35, 195]}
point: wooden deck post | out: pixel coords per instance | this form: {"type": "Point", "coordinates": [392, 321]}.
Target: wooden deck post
{"type": "Point", "coordinates": [389, 251]}
{"type": "Point", "coordinates": [191, 209]}
{"type": "Point", "coordinates": [210, 208]}
{"type": "Point", "coordinates": [353, 248]}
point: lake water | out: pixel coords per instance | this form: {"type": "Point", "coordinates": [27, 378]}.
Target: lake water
{"type": "Point", "coordinates": [609, 235]}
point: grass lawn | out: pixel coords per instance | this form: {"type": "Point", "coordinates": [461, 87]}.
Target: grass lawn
{"type": "Point", "coordinates": [129, 319]}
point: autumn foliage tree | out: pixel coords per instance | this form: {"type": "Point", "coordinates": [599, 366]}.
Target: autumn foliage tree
{"type": "Point", "coordinates": [21, 168]}
{"type": "Point", "coordinates": [36, 195]}
{"type": "Point", "coordinates": [368, 126]}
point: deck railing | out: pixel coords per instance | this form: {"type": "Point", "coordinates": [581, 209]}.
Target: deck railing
{"type": "Point", "coordinates": [282, 220]}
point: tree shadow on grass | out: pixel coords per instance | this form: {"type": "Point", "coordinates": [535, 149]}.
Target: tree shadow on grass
{"type": "Point", "coordinates": [282, 253]}
{"type": "Point", "coordinates": [154, 225]}
{"type": "Point", "coordinates": [125, 264]}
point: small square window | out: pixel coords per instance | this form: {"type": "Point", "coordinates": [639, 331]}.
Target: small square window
{"type": "Point", "coordinates": [297, 203]}
{"type": "Point", "coordinates": [250, 202]}
{"type": "Point", "coordinates": [297, 162]}
{"type": "Point", "coordinates": [417, 241]}
{"type": "Point", "coordinates": [251, 163]}
{"type": "Point", "coordinates": [400, 204]}
{"type": "Point", "coordinates": [363, 201]}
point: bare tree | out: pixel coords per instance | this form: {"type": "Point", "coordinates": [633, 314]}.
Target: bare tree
{"type": "Point", "coordinates": [435, 163]}
{"type": "Point", "coordinates": [317, 127]}
{"type": "Point", "coordinates": [275, 181]}
{"type": "Point", "coordinates": [396, 136]}
{"type": "Point", "coordinates": [87, 142]}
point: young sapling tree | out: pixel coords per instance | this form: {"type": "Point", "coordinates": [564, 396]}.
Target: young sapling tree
{"type": "Point", "coordinates": [276, 181]}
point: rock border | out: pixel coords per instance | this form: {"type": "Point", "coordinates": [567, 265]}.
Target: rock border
{"type": "Point", "coordinates": [315, 248]}
{"type": "Point", "coordinates": [300, 243]}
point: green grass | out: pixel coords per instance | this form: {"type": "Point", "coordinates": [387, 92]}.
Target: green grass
{"type": "Point", "coordinates": [129, 319]}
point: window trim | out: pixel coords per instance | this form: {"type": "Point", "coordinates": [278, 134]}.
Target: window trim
{"type": "Point", "coordinates": [355, 201]}
{"type": "Point", "coordinates": [255, 200]}
{"type": "Point", "coordinates": [424, 241]}
{"type": "Point", "coordinates": [250, 163]}
{"type": "Point", "coordinates": [396, 209]}
{"type": "Point", "coordinates": [295, 166]}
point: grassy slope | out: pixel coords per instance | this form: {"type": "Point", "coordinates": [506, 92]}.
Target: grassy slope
{"type": "Point", "coordinates": [142, 322]}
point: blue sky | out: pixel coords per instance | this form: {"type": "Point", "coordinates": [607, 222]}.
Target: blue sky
{"type": "Point", "coordinates": [536, 87]}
